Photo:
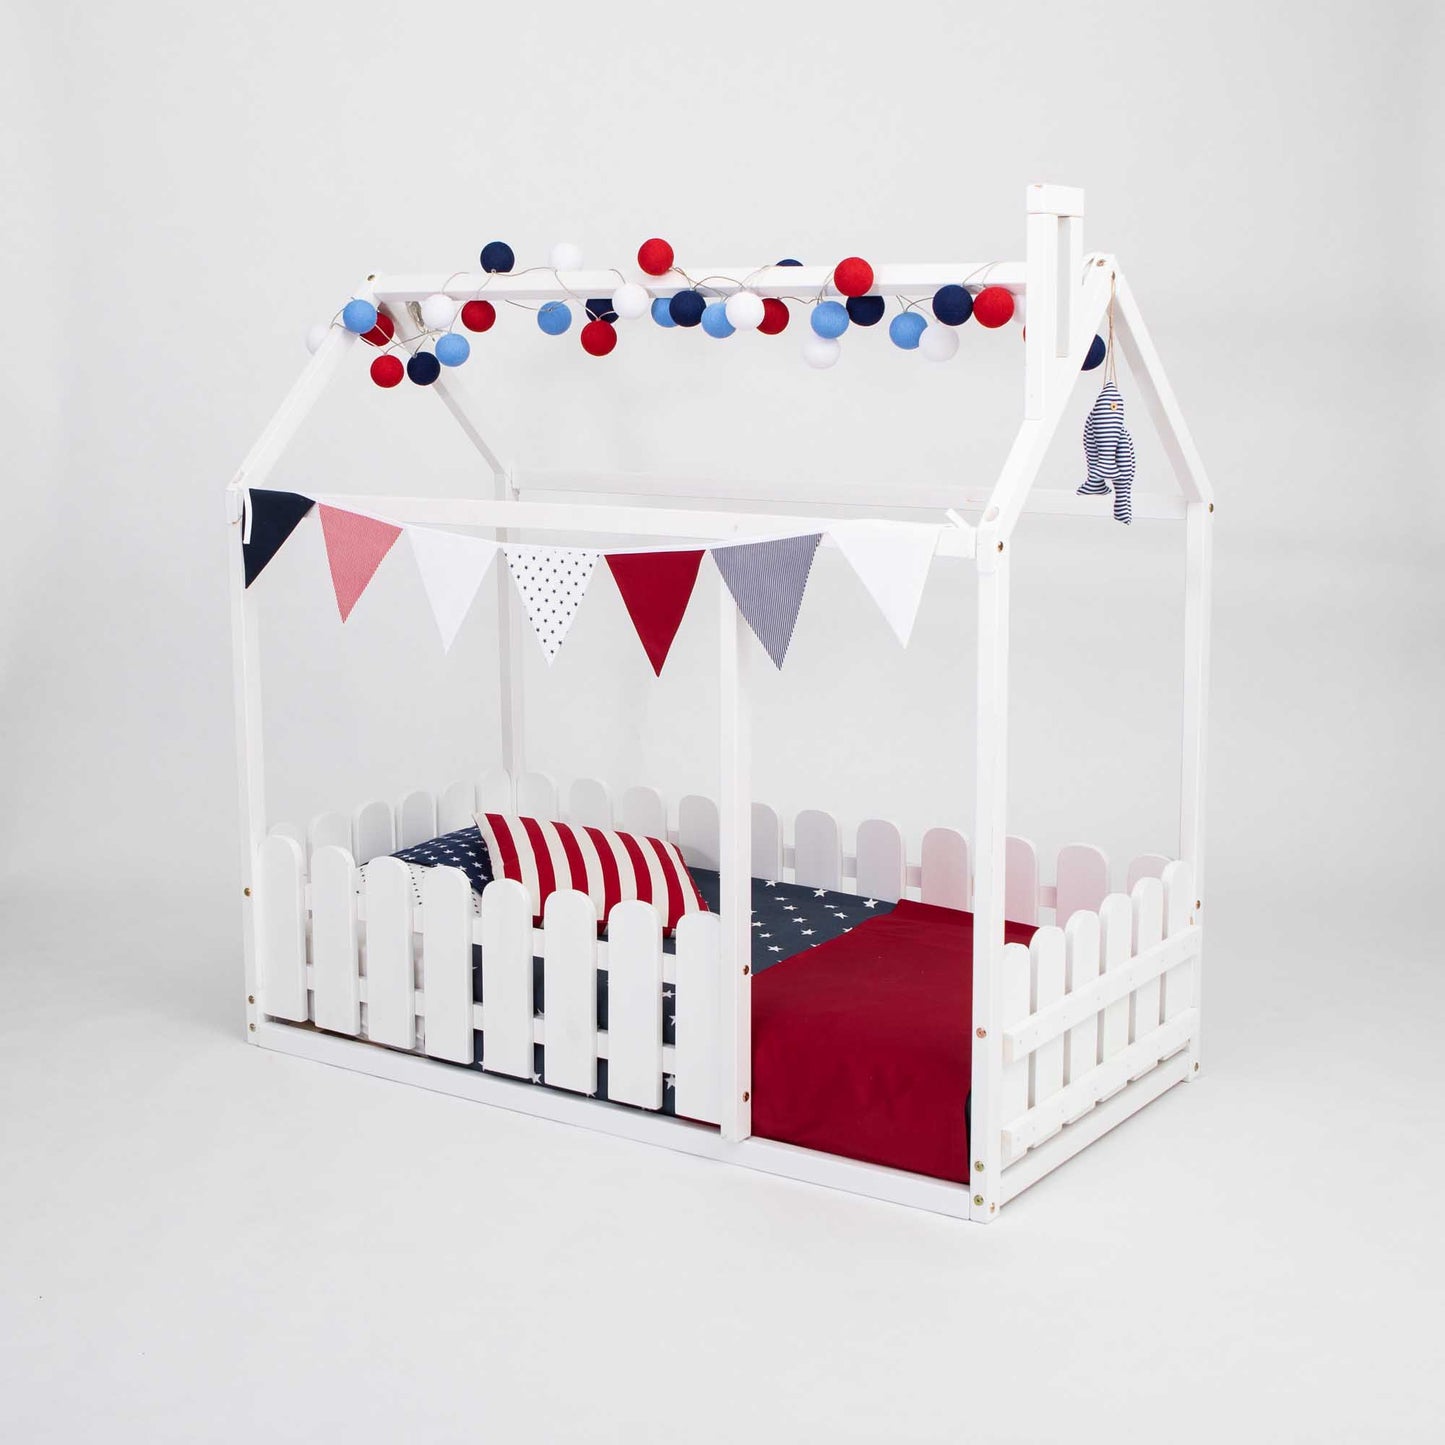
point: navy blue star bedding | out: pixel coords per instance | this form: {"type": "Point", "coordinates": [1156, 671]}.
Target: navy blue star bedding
{"type": "Point", "coordinates": [788, 919]}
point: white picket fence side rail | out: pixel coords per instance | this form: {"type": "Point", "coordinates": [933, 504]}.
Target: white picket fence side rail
{"type": "Point", "coordinates": [375, 972]}
{"type": "Point", "coordinates": [1096, 1005]}
{"type": "Point", "coordinates": [812, 854]}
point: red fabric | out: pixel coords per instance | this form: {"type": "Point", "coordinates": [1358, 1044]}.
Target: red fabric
{"type": "Point", "coordinates": [656, 588]}
{"type": "Point", "coordinates": [598, 337]}
{"type": "Point", "coordinates": [993, 306]}
{"type": "Point", "coordinates": [387, 370]}
{"type": "Point", "coordinates": [775, 316]}
{"type": "Point", "coordinates": [853, 276]}
{"type": "Point", "coordinates": [655, 256]}
{"type": "Point", "coordinates": [478, 315]}
{"type": "Point", "coordinates": [382, 332]}
{"type": "Point", "coordinates": [863, 1047]}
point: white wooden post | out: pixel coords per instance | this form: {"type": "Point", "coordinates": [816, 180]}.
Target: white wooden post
{"type": "Point", "coordinates": [735, 867]}
{"type": "Point", "coordinates": [1198, 544]}
{"type": "Point", "coordinates": [1052, 265]}
{"type": "Point", "coordinates": [250, 763]}
{"type": "Point", "coordinates": [990, 782]}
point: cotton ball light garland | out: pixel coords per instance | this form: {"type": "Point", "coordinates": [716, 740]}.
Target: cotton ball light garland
{"type": "Point", "coordinates": [715, 320]}
{"type": "Point", "coordinates": [317, 335]}
{"type": "Point", "coordinates": [453, 349]}
{"type": "Point", "coordinates": [993, 306]}
{"type": "Point", "coordinates": [382, 333]}
{"type": "Point", "coordinates": [438, 312]}
{"type": "Point", "coordinates": [865, 310]}
{"type": "Point", "coordinates": [1097, 352]}
{"type": "Point", "coordinates": [662, 312]}
{"type": "Point", "coordinates": [952, 305]}
{"type": "Point", "coordinates": [598, 337]}
{"type": "Point", "coordinates": [630, 301]}
{"type": "Point", "coordinates": [745, 311]}
{"type": "Point", "coordinates": [775, 317]}
{"type": "Point", "coordinates": [829, 319]}
{"type": "Point", "coordinates": [423, 368]}
{"type": "Point", "coordinates": [497, 256]}
{"type": "Point", "coordinates": [358, 316]}
{"type": "Point", "coordinates": [853, 276]}
{"type": "Point", "coordinates": [387, 370]}
{"type": "Point", "coordinates": [599, 308]}
{"type": "Point", "coordinates": [787, 261]}
{"type": "Point", "coordinates": [565, 257]}
{"type": "Point", "coordinates": [938, 342]}
{"type": "Point", "coordinates": [554, 317]}
{"type": "Point", "coordinates": [686, 307]}
{"type": "Point", "coordinates": [655, 256]}
{"type": "Point", "coordinates": [479, 315]}
{"type": "Point", "coordinates": [820, 352]}
{"type": "Point", "coordinates": [905, 329]}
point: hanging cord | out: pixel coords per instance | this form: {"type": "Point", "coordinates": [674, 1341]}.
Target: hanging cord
{"type": "Point", "coordinates": [1109, 375]}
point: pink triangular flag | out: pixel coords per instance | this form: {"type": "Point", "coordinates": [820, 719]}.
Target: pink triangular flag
{"type": "Point", "coordinates": [355, 546]}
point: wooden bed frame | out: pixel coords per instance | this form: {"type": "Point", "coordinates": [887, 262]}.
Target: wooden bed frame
{"type": "Point", "coordinates": [1096, 1018]}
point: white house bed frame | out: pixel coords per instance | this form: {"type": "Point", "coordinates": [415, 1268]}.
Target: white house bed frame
{"type": "Point", "coordinates": [1096, 1018]}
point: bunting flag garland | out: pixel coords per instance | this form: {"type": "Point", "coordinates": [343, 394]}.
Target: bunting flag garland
{"type": "Point", "coordinates": [553, 582]}
{"type": "Point", "coordinates": [892, 561]}
{"type": "Point", "coordinates": [767, 580]}
{"type": "Point", "coordinates": [355, 545]}
{"type": "Point", "coordinates": [273, 518]}
{"type": "Point", "coordinates": [452, 569]}
{"type": "Point", "coordinates": [656, 588]}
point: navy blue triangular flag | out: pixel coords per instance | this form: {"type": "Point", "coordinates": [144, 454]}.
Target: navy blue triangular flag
{"type": "Point", "coordinates": [274, 516]}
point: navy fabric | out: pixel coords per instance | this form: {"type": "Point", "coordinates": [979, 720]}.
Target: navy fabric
{"type": "Point", "coordinates": [274, 516]}
{"type": "Point", "coordinates": [465, 849]}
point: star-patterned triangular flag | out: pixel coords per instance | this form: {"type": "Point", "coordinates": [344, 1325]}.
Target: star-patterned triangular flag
{"type": "Point", "coordinates": [273, 518]}
{"type": "Point", "coordinates": [355, 546]}
{"type": "Point", "coordinates": [767, 580]}
{"type": "Point", "coordinates": [656, 588]}
{"type": "Point", "coordinates": [553, 582]}
{"type": "Point", "coordinates": [892, 561]}
{"type": "Point", "coordinates": [452, 568]}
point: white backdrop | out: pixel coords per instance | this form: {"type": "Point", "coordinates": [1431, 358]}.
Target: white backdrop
{"type": "Point", "coordinates": [188, 188]}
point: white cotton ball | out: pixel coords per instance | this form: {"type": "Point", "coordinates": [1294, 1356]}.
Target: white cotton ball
{"type": "Point", "coordinates": [565, 257]}
{"type": "Point", "coordinates": [316, 336]}
{"type": "Point", "coordinates": [630, 301]}
{"type": "Point", "coordinates": [438, 312]}
{"type": "Point", "coordinates": [938, 343]}
{"type": "Point", "coordinates": [820, 351]}
{"type": "Point", "coordinates": [745, 311]}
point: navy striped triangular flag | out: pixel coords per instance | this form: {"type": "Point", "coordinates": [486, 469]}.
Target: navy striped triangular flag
{"type": "Point", "coordinates": [767, 580]}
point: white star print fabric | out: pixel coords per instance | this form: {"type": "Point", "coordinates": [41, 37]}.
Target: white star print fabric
{"type": "Point", "coordinates": [552, 581]}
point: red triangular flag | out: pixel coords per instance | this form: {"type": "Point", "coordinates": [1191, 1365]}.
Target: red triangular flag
{"type": "Point", "coordinates": [656, 588]}
{"type": "Point", "coordinates": [355, 546]}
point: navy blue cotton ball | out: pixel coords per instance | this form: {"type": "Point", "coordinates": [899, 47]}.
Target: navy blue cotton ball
{"type": "Point", "coordinates": [600, 308]}
{"type": "Point", "coordinates": [865, 310]}
{"type": "Point", "coordinates": [952, 305]}
{"type": "Point", "coordinates": [1097, 351]}
{"type": "Point", "coordinates": [497, 256]}
{"type": "Point", "coordinates": [686, 308]}
{"type": "Point", "coordinates": [423, 368]}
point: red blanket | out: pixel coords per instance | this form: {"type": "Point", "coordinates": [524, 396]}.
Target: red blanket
{"type": "Point", "coordinates": [863, 1046]}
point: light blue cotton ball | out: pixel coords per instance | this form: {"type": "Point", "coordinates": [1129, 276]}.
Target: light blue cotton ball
{"type": "Point", "coordinates": [358, 316]}
{"type": "Point", "coordinates": [830, 319]}
{"type": "Point", "coordinates": [715, 320]}
{"type": "Point", "coordinates": [554, 318]}
{"type": "Point", "coordinates": [452, 349]}
{"type": "Point", "coordinates": [662, 311]}
{"type": "Point", "coordinates": [905, 329]}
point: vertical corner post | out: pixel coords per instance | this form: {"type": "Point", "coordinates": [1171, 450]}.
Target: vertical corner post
{"type": "Point", "coordinates": [991, 779]}
{"type": "Point", "coordinates": [1198, 567]}
{"type": "Point", "coordinates": [1053, 269]}
{"type": "Point", "coordinates": [735, 862]}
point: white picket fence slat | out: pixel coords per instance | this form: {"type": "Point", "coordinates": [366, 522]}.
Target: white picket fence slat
{"type": "Point", "coordinates": [589, 805]}
{"type": "Point", "coordinates": [328, 830]}
{"type": "Point", "coordinates": [634, 1005]}
{"type": "Point", "coordinates": [495, 793]}
{"type": "Point", "coordinates": [536, 797]}
{"type": "Point", "coordinates": [1146, 865]}
{"type": "Point", "coordinates": [1116, 936]}
{"type": "Point", "coordinates": [944, 869]}
{"type": "Point", "coordinates": [642, 811]}
{"type": "Point", "coordinates": [416, 818]}
{"type": "Point", "coordinates": [1081, 966]}
{"type": "Point", "coordinates": [1046, 959]}
{"type": "Point", "coordinates": [335, 980]}
{"type": "Point", "coordinates": [390, 963]}
{"type": "Point", "coordinates": [1081, 880]}
{"type": "Point", "coordinates": [1147, 897]}
{"type": "Point", "coordinates": [1020, 881]}
{"type": "Point", "coordinates": [456, 806]}
{"type": "Point", "coordinates": [569, 991]}
{"type": "Point", "coordinates": [697, 1001]}
{"type": "Point", "coordinates": [507, 1004]}
{"type": "Point", "coordinates": [446, 900]}
{"type": "Point", "coordinates": [882, 867]}
{"type": "Point", "coordinates": [767, 843]}
{"type": "Point", "coordinates": [1178, 990]}
{"type": "Point", "coordinates": [817, 850]}
{"type": "Point", "coordinates": [698, 831]}
{"type": "Point", "coordinates": [373, 830]}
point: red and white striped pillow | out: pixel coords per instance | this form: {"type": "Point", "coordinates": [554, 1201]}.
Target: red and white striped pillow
{"type": "Point", "coordinates": [609, 867]}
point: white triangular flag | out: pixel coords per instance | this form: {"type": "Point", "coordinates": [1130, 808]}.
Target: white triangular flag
{"type": "Point", "coordinates": [892, 561]}
{"type": "Point", "coordinates": [452, 569]}
{"type": "Point", "coordinates": [553, 582]}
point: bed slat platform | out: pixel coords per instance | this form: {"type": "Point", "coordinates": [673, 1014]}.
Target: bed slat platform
{"type": "Point", "coordinates": [351, 960]}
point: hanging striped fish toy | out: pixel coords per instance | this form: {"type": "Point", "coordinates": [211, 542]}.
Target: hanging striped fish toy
{"type": "Point", "coordinates": [1109, 451]}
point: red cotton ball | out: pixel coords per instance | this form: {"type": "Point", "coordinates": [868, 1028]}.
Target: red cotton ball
{"type": "Point", "coordinates": [775, 317]}
{"type": "Point", "coordinates": [993, 307]}
{"type": "Point", "coordinates": [598, 338]}
{"type": "Point", "coordinates": [655, 256]}
{"type": "Point", "coordinates": [387, 370]}
{"type": "Point", "coordinates": [853, 277]}
{"type": "Point", "coordinates": [382, 332]}
{"type": "Point", "coordinates": [478, 315]}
